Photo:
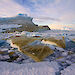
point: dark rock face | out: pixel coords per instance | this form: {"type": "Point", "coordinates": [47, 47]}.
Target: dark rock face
{"type": "Point", "coordinates": [47, 27]}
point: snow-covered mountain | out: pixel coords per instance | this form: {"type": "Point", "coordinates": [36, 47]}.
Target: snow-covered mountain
{"type": "Point", "coordinates": [19, 19]}
{"type": "Point", "coordinates": [25, 21]}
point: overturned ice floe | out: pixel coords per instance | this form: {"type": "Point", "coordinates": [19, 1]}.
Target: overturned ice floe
{"type": "Point", "coordinates": [65, 43]}
{"type": "Point", "coordinates": [37, 52]}
{"type": "Point", "coordinates": [39, 48]}
{"type": "Point", "coordinates": [54, 41]}
{"type": "Point", "coordinates": [31, 47]}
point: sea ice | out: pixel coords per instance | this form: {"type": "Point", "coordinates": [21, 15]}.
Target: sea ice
{"type": "Point", "coordinates": [40, 68]}
{"type": "Point", "coordinates": [69, 70]}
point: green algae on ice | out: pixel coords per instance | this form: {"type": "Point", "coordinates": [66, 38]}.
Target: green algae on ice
{"type": "Point", "coordinates": [21, 41]}
{"type": "Point", "coordinates": [57, 42]}
{"type": "Point", "coordinates": [73, 40]}
{"type": "Point", "coordinates": [36, 52]}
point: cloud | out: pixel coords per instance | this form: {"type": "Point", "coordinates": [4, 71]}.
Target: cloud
{"type": "Point", "coordinates": [47, 18]}
{"type": "Point", "coordinates": [68, 17]}
{"type": "Point", "coordinates": [43, 11]}
{"type": "Point", "coordinates": [53, 9]}
{"type": "Point", "coordinates": [10, 8]}
{"type": "Point", "coordinates": [60, 9]}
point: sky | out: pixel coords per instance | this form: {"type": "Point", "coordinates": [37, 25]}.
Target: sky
{"type": "Point", "coordinates": [58, 14]}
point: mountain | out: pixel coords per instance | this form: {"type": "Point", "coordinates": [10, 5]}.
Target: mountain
{"type": "Point", "coordinates": [19, 19]}
{"type": "Point", "coordinates": [25, 21]}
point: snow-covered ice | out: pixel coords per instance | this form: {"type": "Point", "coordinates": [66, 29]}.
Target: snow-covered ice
{"type": "Point", "coordinates": [69, 70]}
{"type": "Point", "coordinates": [8, 26]}
{"type": "Point", "coordinates": [40, 68]}
{"type": "Point", "coordinates": [50, 66]}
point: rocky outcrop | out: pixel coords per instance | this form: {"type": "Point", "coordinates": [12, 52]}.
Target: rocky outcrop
{"type": "Point", "coordinates": [46, 27]}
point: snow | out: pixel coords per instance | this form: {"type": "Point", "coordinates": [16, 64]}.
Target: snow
{"type": "Point", "coordinates": [40, 68]}
{"type": "Point", "coordinates": [48, 42]}
{"type": "Point", "coordinates": [60, 49]}
{"type": "Point", "coordinates": [69, 70]}
{"type": "Point", "coordinates": [12, 45]}
{"type": "Point", "coordinates": [4, 57]}
{"type": "Point", "coordinates": [64, 54]}
{"type": "Point", "coordinates": [4, 49]}
{"type": "Point", "coordinates": [10, 26]}
{"type": "Point", "coordinates": [5, 26]}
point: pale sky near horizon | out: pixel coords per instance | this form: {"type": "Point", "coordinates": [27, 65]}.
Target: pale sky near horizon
{"type": "Point", "coordinates": [55, 13]}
